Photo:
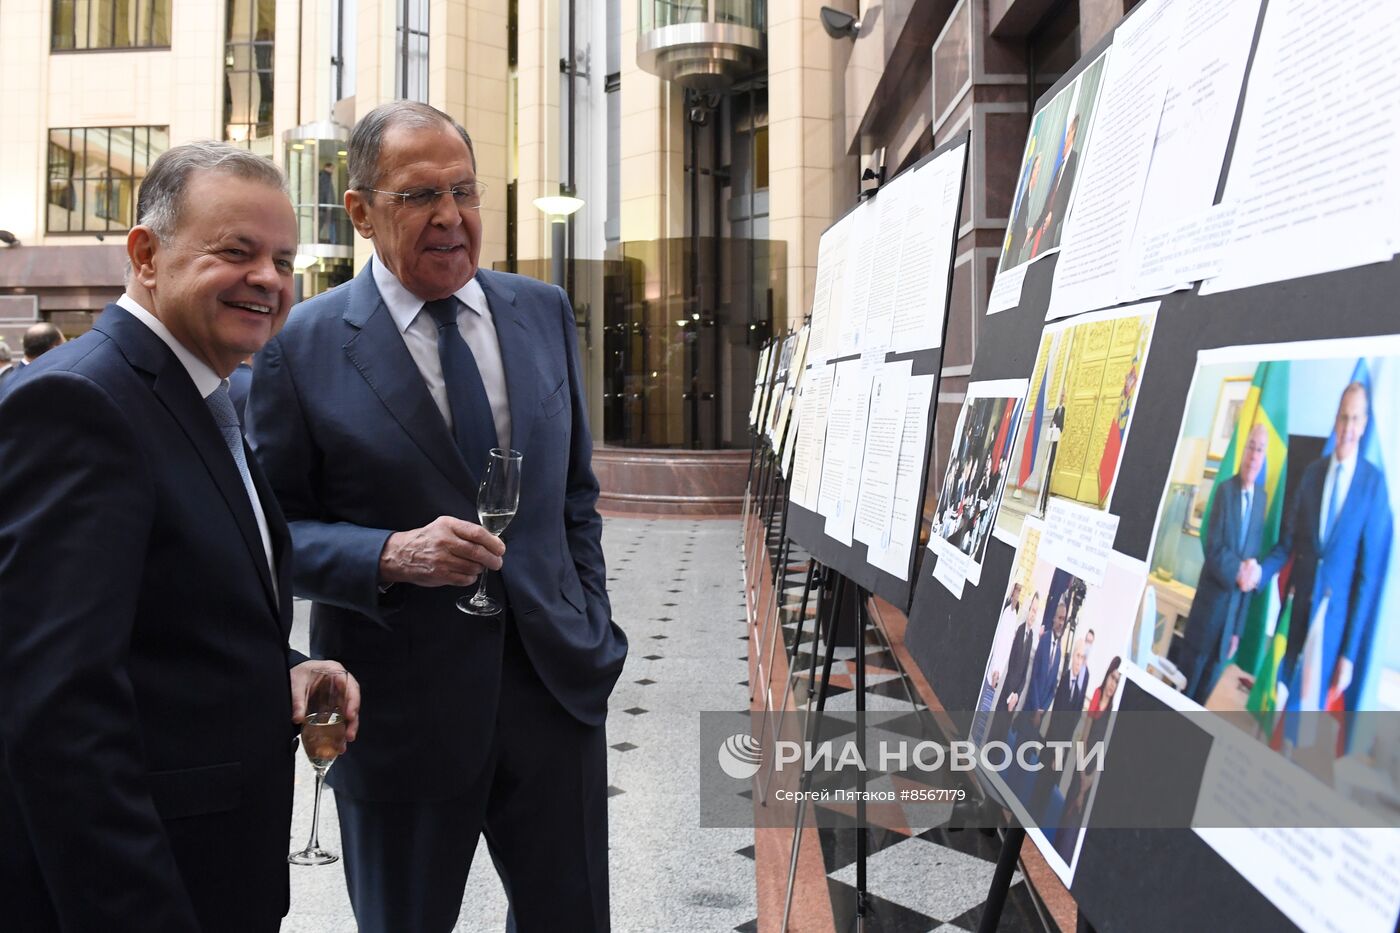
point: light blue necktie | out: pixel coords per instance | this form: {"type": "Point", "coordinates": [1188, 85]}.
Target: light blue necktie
{"type": "Point", "coordinates": [1332, 502]}
{"type": "Point", "coordinates": [1244, 523]}
{"type": "Point", "coordinates": [221, 407]}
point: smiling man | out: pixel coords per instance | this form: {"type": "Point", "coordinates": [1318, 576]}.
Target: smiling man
{"type": "Point", "coordinates": [147, 693]}
{"type": "Point", "coordinates": [373, 414]}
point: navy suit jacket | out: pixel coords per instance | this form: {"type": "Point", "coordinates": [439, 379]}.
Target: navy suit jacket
{"type": "Point", "coordinates": [352, 441]}
{"type": "Point", "coordinates": [1045, 671]}
{"type": "Point", "coordinates": [1217, 612]}
{"type": "Point", "coordinates": [1348, 568]}
{"type": "Point", "coordinates": [145, 709]}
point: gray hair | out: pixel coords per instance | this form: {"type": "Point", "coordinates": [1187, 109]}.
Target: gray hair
{"type": "Point", "coordinates": [5, 353]}
{"type": "Point", "coordinates": [367, 139]}
{"type": "Point", "coordinates": [159, 205]}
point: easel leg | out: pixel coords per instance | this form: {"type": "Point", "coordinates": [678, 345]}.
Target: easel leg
{"type": "Point", "coordinates": [813, 574]}
{"type": "Point", "coordinates": [862, 841]}
{"type": "Point", "coordinates": [813, 731]}
{"type": "Point", "coordinates": [1001, 879]}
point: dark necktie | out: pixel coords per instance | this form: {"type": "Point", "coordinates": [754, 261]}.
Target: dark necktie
{"type": "Point", "coordinates": [472, 423]}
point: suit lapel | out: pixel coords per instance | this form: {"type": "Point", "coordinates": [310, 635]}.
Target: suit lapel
{"type": "Point", "coordinates": [513, 332]}
{"type": "Point", "coordinates": [281, 540]}
{"type": "Point", "coordinates": [176, 391]}
{"type": "Point", "coordinates": [379, 354]}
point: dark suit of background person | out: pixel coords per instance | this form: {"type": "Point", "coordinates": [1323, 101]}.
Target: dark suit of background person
{"type": "Point", "coordinates": [1344, 562]}
{"type": "Point", "coordinates": [1232, 538]}
{"type": "Point", "coordinates": [145, 707]}
{"type": "Point", "coordinates": [1045, 669]}
{"type": "Point", "coordinates": [239, 381]}
{"type": "Point", "coordinates": [476, 723]}
{"type": "Point", "coordinates": [1018, 667]}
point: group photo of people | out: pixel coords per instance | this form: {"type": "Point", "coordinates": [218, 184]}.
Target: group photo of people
{"type": "Point", "coordinates": [1053, 674]}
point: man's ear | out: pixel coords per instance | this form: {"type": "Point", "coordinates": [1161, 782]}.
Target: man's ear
{"type": "Point", "coordinates": [358, 208]}
{"type": "Point", "coordinates": [141, 248]}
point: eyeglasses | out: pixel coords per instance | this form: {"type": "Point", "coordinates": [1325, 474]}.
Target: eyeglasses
{"type": "Point", "coordinates": [467, 196]}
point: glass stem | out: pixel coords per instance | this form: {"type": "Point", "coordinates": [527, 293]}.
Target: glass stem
{"type": "Point", "coordinates": [314, 844]}
{"type": "Point", "coordinates": [480, 596]}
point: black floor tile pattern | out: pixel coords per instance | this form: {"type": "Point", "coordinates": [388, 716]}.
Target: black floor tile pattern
{"type": "Point", "coordinates": [881, 916]}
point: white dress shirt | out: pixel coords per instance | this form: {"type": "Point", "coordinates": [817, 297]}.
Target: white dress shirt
{"type": "Point", "coordinates": [1342, 480]}
{"type": "Point", "coordinates": [206, 381]}
{"type": "Point", "coordinates": [420, 335]}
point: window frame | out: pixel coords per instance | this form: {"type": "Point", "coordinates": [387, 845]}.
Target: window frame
{"type": "Point", "coordinates": [142, 6]}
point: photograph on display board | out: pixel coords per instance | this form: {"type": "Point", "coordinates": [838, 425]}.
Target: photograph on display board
{"type": "Point", "coordinates": [1053, 674]}
{"type": "Point", "coordinates": [1285, 594]}
{"type": "Point", "coordinates": [1049, 168]}
{"type": "Point", "coordinates": [976, 475]}
{"type": "Point", "coordinates": [1079, 408]}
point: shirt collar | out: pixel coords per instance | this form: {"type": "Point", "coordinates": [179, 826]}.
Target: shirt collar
{"type": "Point", "coordinates": [204, 378]}
{"type": "Point", "coordinates": [404, 306]}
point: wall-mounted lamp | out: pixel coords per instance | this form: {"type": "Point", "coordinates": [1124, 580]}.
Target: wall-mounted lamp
{"type": "Point", "coordinates": [840, 24]}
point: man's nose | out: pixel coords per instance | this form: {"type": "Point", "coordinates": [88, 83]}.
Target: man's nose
{"type": "Point", "coordinates": [445, 211]}
{"type": "Point", "coordinates": [264, 275]}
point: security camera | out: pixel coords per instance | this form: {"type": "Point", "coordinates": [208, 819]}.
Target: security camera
{"type": "Point", "coordinates": [839, 24]}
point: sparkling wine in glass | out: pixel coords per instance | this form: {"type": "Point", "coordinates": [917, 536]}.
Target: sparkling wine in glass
{"type": "Point", "coordinates": [323, 739]}
{"type": "Point", "coordinates": [496, 502]}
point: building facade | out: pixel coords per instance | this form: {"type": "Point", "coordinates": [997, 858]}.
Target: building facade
{"type": "Point", "coordinates": [709, 141]}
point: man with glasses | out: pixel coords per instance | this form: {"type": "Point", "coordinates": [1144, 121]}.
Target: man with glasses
{"type": "Point", "coordinates": [373, 414]}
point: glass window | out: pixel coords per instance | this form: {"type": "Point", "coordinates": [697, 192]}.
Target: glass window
{"type": "Point", "coordinates": [411, 50]}
{"type": "Point", "coordinates": [249, 31]}
{"type": "Point", "coordinates": [110, 24]}
{"type": "Point", "coordinates": [95, 174]}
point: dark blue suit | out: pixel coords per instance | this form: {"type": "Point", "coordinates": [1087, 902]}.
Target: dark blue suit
{"type": "Point", "coordinates": [1217, 611]}
{"type": "Point", "coordinates": [145, 708]}
{"type": "Point", "coordinates": [1045, 673]}
{"type": "Point", "coordinates": [1348, 568]}
{"type": "Point", "coordinates": [343, 423]}
{"type": "Point", "coordinates": [239, 382]}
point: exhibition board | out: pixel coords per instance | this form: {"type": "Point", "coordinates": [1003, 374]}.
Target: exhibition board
{"type": "Point", "coordinates": [1207, 431]}
{"type": "Point", "coordinates": [863, 420]}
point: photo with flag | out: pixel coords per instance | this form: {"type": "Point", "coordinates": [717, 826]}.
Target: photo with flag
{"type": "Point", "coordinates": [1045, 182]}
{"type": "Point", "coordinates": [1085, 383]}
{"type": "Point", "coordinates": [1283, 601]}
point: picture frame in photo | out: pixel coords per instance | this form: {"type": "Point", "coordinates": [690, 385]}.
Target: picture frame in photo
{"type": "Point", "coordinates": [1233, 392]}
{"type": "Point", "coordinates": [1197, 513]}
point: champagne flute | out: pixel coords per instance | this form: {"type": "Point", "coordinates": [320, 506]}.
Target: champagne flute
{"type": "Point", "coordinates": [323, 739]}
{"type": "Point", "coordinates": [496, 502]}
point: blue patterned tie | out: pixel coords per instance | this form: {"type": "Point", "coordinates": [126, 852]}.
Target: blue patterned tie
{"type": "Point", "coordinates": [472, 422]}
{"type": "Point", "coordinates": [221, 407]}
